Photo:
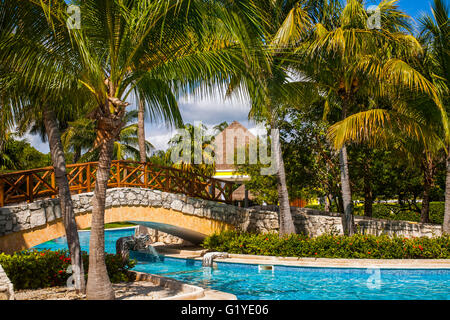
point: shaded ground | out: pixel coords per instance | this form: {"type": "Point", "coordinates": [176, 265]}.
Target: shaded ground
{"type": "Point", "coordinates": [127, 290]}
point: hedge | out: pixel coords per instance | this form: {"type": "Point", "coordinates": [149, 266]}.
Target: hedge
{"type": "Point", "coordinates": [330, 246]}
{"type": "Point", "coordinates": [32, 269]}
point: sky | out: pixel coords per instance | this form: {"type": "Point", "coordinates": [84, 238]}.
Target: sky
{"type": "Point", "coordinates": [215, 109]}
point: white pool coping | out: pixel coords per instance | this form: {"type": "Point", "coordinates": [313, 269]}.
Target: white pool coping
{"type": "Point", "coordinates": [328, 263]}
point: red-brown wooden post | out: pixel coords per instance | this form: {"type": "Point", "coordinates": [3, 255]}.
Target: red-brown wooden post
{"type": "Point", "coordinates": [2, 193]}
{"type": "Point", "coordinates": [118, 174]}
{"type": "Point", "coordinates": [80, 179]}
{"type": "Point", "coordinates": [88, 177]}
{"type": "Point", "coordinates": [213, 189]}
{"type": "Point", "coordinates": [146, 175]}
{"type": "Point", "coordinates": [30, 188]}
{"type": "Point", "coordinates": [53, 183]}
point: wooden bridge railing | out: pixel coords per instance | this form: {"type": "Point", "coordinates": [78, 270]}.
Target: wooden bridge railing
{"type": "Point", "coordinates": [34, 184]}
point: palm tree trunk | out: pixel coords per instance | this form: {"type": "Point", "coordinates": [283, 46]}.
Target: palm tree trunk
{"type": "Point", "coordinates": [59, 165]}
{"type": "Point", "coordinates": [99, 285]}
{"type": "Point", "coordinates": [141, 131]}
{"type": "Point", "coordinates": [286, 221]}
{"type": "Point", "coordinates": [347, 218]}
{"type": "Point", "coordinates": [446, 224]}
{"type": "Point", "coordinates": [368, 197]}
{"type": "Point", "coordinates": [328, 203]}
{"type": "Point", "coordinates": [76, 154]}
{"type": "Point", "coordinates": [427, 180]}
{"type": "Point", "coordinates": [425, 211]}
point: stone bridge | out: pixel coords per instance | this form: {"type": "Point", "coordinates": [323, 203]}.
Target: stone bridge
{"type": "Point", "coordinates": [26, 225]}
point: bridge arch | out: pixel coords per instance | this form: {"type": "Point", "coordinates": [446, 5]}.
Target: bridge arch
{"type": "Point", "coordinates": [189, 218]}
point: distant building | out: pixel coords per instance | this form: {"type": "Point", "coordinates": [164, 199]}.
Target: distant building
{"type": "Point", "coordinates": [230, 146]}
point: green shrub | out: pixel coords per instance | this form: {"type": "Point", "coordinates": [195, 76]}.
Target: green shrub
{"type": "Point", "coordinates": [33, 269]}
{"type": "Point", "coordinates": [330, 246]}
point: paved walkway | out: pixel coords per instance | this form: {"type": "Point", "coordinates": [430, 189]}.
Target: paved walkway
{"type": "Point", "coordinates": [320, 262]}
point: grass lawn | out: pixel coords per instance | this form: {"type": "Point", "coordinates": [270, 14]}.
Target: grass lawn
{"type": "Point", "coordinates": [115, 225]}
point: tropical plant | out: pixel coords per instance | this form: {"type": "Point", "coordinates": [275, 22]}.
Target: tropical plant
{"type": "Point", "coordinates": [126, 43]}
{"type": "Point", "coordinates": [34, 98]}
{"type": "Point", "coordinates": [190, 150]}
{"type": "Point", "coordinates": [436, 34]}
{"type": "Point", "coordinates": [81, 133]}
{"type": "Point", "coordinates": [351, 65]}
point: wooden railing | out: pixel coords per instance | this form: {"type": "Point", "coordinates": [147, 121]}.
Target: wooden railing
{"type": "Point", "coordinates": [30, 185]}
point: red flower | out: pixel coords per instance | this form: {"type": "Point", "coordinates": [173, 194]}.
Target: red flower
{"type": "Point", "coordinates": [420, 247]}
{"type": "Point", "coordinates": [267, 239]}
{"type": "Point", "coordinates": [350, 244]}
{"type": "Point", "coordinates": [368, 252]}
{"type": "Point", "coordinates": [315, 253]}
{"type": "Point", "coordinates": [60, 271]}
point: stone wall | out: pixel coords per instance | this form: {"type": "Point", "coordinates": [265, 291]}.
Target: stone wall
{"type": "Point", "coordinates": [6, 287]}
{"type": "Point", "coordinates": [159, 236]}
{"type": "Point", "coordinates": [315, 223]}
{"type": "Point", "coordinates": [255, 219]}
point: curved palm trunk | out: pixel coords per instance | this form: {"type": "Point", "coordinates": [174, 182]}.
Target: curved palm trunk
{"type": "Point", "coordinates": [446, 224]}
{"type": "Point", "coordinates": [286, 222]}
{"type": "Point", "coordinates": [99, 285]}
{"type": "Point", "coordinates": [59, 165]}
{"type": "Point", "coordinates": [347, 218]}
{"type": "Point", "coordinates": [141, 132]}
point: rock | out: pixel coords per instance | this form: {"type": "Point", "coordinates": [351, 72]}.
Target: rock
{"type": "Point", "coordinates": [38, 218]}
{"type": "Point", "coordinates": [6, 287]}
{"type": "Point", "coordinates": [131, 196]}
{"type": "Point", "coordinates": [177, 205]}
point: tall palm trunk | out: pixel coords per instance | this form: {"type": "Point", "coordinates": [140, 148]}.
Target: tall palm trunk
{"type": "Point", "coordinates": [286, 222]}
{"type": "Point", "coordinates": [76, 154]}
{"type": "Point", "coordinates": [141, 132]}
{"type": "Point", "coordinates": [427, 182]}
{"type": "Point", "coordinates": [99, 285]}
{"type": "Point", "coordinates": [65, 199]}
{"type": "Point", "coordinates": [446, 224]}
{"type": "Point", "coordinates": [368, 196]}
{"type": "Point", "coordinates": [347, 218]}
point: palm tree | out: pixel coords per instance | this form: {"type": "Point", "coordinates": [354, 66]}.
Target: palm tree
{"type": "Point", "coordinates": [80, 136]}
{"type": "Point", "coordinates": [270, 87]}
{"type": "Point", "coordinates": [352, 64]}
{"type": "Point", "coordinates": [197, 159]}
{"type": "Point", "coordinates": [25, 40]}
{"type": "Point", "coordinates": [125, 43]}
{"type": "Point", "coordinates": [436, 32]}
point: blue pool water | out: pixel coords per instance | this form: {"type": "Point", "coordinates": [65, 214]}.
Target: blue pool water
{"type": "Point", "coordinates": [111, 237]}
{"type": "Point", "coordinates": [289, 283]}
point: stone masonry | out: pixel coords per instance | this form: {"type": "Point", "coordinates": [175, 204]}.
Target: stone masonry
{"type": "Point", "coordinates": [6, 287]}
{"type": "Point", "coordinates": [256, 219]}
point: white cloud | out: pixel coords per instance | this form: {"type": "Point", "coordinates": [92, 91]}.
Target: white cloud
{"type": "Point", "coordinates": [210, 110]}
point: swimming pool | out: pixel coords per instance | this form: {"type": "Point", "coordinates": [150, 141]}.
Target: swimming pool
{"type": "Point", "coordinates": [246, 281]}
